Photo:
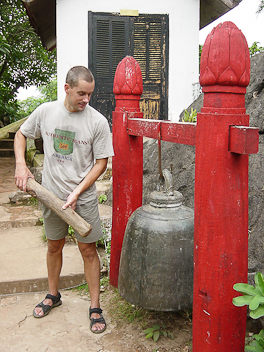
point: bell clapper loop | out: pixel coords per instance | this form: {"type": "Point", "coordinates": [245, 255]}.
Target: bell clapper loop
{"type": "Point", "coordinates": [168, 183]}
{"type": "Point", "coordinates": [159, 151]}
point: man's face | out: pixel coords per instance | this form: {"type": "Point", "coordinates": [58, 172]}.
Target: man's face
{"type": "Point", "coordinates": [79, 96]}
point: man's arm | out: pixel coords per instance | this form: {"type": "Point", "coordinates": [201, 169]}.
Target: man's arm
{"type": "Point", "coordinates": [98, 168]}
{"type": "Point", "coordinates": [22, 172]}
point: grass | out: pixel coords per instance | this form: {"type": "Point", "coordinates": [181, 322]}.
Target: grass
{"type": "Point", "coordinates": [81, 289]}
{"type": "Point", "coordinates": [84, 290]}
{"type": "Point", "coordinates": [124, 311]}
{"type": "Point", "coordinates": [32, 201]}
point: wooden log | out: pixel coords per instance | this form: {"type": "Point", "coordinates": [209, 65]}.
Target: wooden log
{"type": "Point", "coordinates": [55, 204]}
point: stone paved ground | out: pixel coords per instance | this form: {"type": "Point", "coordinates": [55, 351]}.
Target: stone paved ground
{"type": "Point", "coordinates": [7, 167]}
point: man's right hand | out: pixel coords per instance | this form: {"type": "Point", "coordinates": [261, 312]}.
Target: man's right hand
{"type": "Point", "coordinates": [22, 174]}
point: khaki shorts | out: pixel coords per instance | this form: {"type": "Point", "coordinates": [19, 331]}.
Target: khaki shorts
{"type": "Point", "coordinates": [56, 228]}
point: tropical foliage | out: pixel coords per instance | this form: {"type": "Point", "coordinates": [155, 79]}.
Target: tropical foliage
{"type": "Point", "coordinates": [47, 93]}
{"type": "Point", "coordinates": [23, 60]}
{"type": "Point", "coordinates": [261, 6]}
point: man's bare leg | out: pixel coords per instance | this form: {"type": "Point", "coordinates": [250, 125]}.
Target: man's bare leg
{"type": "Point", "coordinates": [54, 265]}
{"type": "Point", "coordinates": [92, 275]}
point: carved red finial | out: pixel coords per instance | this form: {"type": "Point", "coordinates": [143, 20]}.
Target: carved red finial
{"type": "Point", "coordinates": [225, 59]}
{"type": "Point", "coordinates": [128, 77]}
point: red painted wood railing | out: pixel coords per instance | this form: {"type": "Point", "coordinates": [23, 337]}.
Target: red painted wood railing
{"type": "Point", "coordinates": [223, 141]}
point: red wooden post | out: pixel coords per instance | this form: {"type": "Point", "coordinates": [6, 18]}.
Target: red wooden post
{"type": "Point", "coordinates": [221, 193]}
{"type": "Point", "coordinates": [128, 159]}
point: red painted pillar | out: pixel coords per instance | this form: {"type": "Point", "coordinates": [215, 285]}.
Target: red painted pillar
{"type": "Point", "coordinates": [127, 165]}
{"type": "Point", "coordinates": [221, 194]}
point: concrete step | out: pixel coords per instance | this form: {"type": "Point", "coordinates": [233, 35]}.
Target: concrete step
{"type": "Point", "coordinates": [6, 143]}
{"type": "Point", "coordinates": [23, 262]}
{"type": "Point", "coordinates": [5, 153]}
{"type": "Point", "coordinates": [11, 135]}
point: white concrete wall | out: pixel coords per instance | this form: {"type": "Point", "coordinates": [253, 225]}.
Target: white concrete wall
{"type": "Point", "coordinates": [72, 41]}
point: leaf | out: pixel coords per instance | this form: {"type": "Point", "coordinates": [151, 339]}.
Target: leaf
{"type": "Point", "coordinates": [164, 333]}
{"type": "Point", "coordinates": [149, 335]}
{"type": "Point", "coordinates": [258, 347]}
{"type": "Point", "coordinates": [250, 348]}
{"type": "Point", "coordinates": [255, 302]}
{"type": "Point", "coordinates": [261, 333]}
{"type": "Point", "coordinates": [246, 289]}
{"type": "Point", "coordinates": [259, 282]}
{"type": "Point", "coordinates": [155, 327]}
{"type": "Point", "coordinates": [171, 336]}
{"type": "Point", "coordinates": [255, 346]}
{"type": "Point", "coordinates": [156, 335]}
{"type": "Point", "coordinates": [147, 331]}
{"type": "Point", "coordinates": [257, 313]}
{"type": "Point", "coordinates": [261, 342]}
{"type": "Point", "coordinates": [242, 300]}
{"type": "Point", "coordinates": [259, 338]}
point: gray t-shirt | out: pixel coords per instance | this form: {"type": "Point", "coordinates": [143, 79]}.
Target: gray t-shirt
{"type": "Point", "coordinates": [72, 141]}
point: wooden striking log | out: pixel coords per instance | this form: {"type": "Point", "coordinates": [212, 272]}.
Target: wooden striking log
{"type": "Point", "coordinates": [55, 204]}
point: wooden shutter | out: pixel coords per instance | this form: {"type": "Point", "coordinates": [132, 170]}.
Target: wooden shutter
{"type": "Point", "coordinates": [148, 41]}
{"type": "Point", "coordinates": [108, 45]}
{"type": "Point", "coordinates": [147, 48]}
{"type": "Point", "coordinates": [102, 56]}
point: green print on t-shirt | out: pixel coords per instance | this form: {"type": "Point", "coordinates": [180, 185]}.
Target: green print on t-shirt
{"type": "Point", "coordinates": [63, 141]}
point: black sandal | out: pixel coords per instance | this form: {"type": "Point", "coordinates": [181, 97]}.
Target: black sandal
{"type": "Point", "coordinates": [99, 320]}
{"type": "Point", "coordinates": [56, 301]}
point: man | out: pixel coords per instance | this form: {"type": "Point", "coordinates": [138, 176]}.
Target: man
{"type": "Point", "coordinates": [77, 144]}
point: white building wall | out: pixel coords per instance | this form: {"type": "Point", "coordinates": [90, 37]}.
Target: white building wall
{"type": "Point", "coordinates": [72, 41]}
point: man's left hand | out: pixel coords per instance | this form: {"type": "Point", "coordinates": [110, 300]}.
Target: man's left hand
{"type": "Point", "coordinates": [71, 201]}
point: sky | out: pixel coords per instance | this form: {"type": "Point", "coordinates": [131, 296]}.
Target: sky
{"type": "Point", "coordinates": [24, 93]}
{"type": "Point", "coordinates": [245, 18]}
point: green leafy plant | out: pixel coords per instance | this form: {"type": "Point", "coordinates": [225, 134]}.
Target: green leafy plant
{"type": "Point", "coordinates": [104, 281]}
{"type": "Point", "coordinates": [44, 237]}
{"type": "Point", "coordinates": [255, 48]}
{"type": "Point", "coordinates": [33, 201]}
{"type": "Point", "coordinates": [256, 344]}
{"type": "Point", "coordinates": [70, 231]}
{"type": "Point", "coordinates": [104, 241]}
{"type": "Point", "coordinates": [155, 332]}
{"type": "Point", "coordinates": [190, 117]}
{"type": "Point", "coordinates": [108, 248]}
{"type": "Point", "coordinates": [102, 198]}
{"type": "Point", "coordinates": [253, 297]}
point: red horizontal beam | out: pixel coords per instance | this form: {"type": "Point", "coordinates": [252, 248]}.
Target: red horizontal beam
{"type": "Point", "coordinates": [243, 140]}
{"type": "Point", "coordinates": [181, 132]}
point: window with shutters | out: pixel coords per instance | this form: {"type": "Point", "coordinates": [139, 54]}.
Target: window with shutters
{"type": "Point", "coordinates": [111, 38]}
{"type": "Point", "coordinates": [148, 52]}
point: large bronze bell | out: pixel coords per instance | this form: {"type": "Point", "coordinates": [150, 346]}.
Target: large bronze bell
{"type": "Point", "coordinates": [156, 266]}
